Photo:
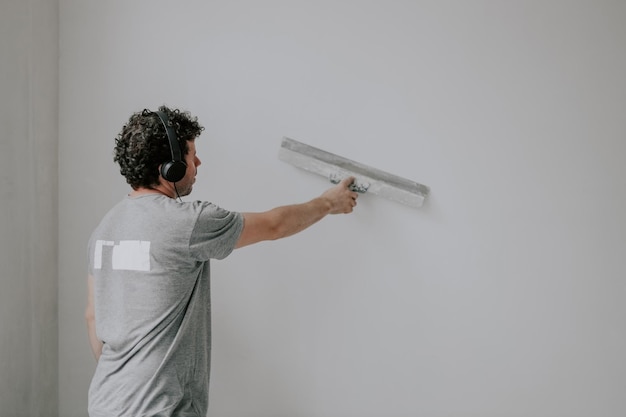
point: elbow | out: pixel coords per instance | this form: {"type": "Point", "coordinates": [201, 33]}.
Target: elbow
{"type": "Point", "coordinates": [277, 227]}
{"type": "Point", "coordinates": [276, 231]}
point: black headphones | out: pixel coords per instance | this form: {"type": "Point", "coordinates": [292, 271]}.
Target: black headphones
{"type": "Point", "coordinates": [174, 170]}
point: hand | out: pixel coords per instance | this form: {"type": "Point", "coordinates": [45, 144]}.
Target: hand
{"type": "Point", "coordinates": [341, 199]}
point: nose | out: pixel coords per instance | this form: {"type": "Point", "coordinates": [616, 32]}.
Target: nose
{"type": "Point", "coordinates": [198, 161]}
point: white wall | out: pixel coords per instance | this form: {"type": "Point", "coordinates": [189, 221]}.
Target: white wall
{"type": "Point", "coordinates": [28, 208]}
{"type": "Point", "coordinates": [503, 296]}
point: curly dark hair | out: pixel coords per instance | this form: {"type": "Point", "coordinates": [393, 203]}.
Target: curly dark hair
{"type": "Point", "coordinates": [142, 145]}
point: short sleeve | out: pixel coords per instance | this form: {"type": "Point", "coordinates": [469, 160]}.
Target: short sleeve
{"type": "Point", "coordinates": [215, 232]}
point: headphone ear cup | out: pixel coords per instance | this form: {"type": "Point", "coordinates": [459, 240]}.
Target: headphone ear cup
{"type": "Point", "coordinates": [173, 171]}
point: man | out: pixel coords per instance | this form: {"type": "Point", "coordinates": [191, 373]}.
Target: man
{"type": "Point", "coordinates": [148, 309]}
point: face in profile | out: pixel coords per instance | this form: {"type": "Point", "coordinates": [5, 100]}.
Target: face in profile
{"type": "Point", "coordinates": [185, 185]}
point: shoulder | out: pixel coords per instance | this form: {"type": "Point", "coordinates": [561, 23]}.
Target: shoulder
{"type": "Point", "coordinates": [212, 213]}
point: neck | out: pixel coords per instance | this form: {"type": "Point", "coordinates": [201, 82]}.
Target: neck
{"type": "Point", "coordinates": [159, 189]}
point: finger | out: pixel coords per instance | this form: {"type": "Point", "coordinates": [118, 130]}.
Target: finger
{"type": "Point", "coordinates": [347, 181]}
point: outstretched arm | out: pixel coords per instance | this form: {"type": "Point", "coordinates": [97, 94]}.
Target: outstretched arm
{"type": "Point", "coordinates": [288, 220]}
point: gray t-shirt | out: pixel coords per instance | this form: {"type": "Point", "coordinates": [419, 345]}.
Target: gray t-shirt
{"type": "Point", "coordinates": [149, 257]}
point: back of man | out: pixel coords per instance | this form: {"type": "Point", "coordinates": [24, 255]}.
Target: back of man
{"type": "Point", "coordinates": [148, 306]}
{"type": "Point", "coordinates": [149, 259]}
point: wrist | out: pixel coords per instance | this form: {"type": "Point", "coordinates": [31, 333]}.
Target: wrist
{"type": "Point", "coordinates": [325, 203]}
